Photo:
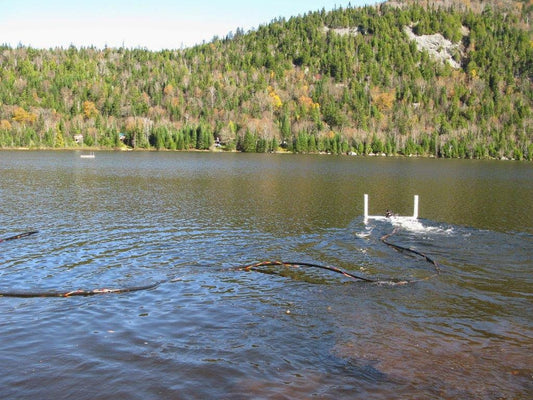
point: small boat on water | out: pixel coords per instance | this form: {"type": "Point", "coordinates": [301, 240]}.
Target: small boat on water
{"type": "Point", "coordinates": [90, 155]}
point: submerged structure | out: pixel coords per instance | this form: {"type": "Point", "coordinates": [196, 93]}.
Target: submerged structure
{"type": "Point", "coordinates": [385, 217]}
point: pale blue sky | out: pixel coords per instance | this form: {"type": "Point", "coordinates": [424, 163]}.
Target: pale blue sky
{"type": "Point", "coordinates": [155, 24]}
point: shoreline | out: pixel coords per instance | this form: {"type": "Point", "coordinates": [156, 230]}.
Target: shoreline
{"type": "Point", "coordinates": [350, 154]}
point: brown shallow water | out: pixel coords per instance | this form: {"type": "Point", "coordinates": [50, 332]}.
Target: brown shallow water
{"type": "Point", "coordinates": [211, 330]}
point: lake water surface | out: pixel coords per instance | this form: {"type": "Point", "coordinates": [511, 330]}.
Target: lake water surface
{"type": "Point", "coordinates": [214, 330]}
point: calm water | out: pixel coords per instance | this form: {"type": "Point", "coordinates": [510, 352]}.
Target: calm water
{"type": "Point", "coordinates": [211, 330]}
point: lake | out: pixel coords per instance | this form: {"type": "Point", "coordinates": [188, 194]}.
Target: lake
{"type": "Point", "coordinates": [213, 329]}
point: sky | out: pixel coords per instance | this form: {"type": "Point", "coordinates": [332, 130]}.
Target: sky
{"type": "Point", "coordinates": [150, 24]}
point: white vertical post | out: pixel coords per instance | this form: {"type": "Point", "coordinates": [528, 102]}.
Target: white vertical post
{"type": "Point", "coordinates": [366, 207]}
{"type": "Point", "coordinates": [415, 211]}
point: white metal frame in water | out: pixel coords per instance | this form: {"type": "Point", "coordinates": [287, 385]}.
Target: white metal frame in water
{"type": "Point", "coordinates": [383, 217]}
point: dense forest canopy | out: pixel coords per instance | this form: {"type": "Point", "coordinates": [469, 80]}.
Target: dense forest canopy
{"type": "Point", "coordinates": [350, 80]}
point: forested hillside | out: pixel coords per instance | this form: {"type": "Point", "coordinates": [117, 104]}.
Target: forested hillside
{"type": "Point", "coordinates": [359, 80]}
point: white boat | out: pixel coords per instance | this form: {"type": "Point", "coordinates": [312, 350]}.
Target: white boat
{"type": "Point", "coordinates": [90, 155]}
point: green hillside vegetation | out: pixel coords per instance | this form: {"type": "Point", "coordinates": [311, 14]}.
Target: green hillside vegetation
{"type": "Point", "coordinates": [349, 80]}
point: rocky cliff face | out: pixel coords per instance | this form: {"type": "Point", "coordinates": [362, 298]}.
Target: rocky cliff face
{"type": "Point", "coordinates": [438, 46]}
